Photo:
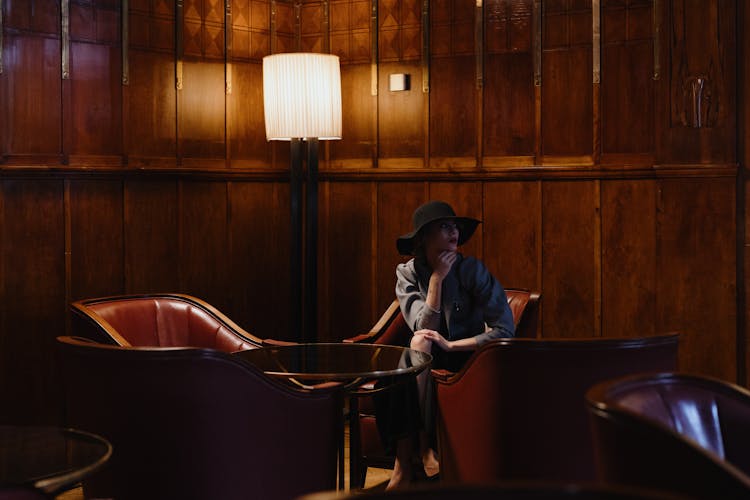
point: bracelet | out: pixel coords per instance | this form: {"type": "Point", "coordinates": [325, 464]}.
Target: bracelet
{"type": "Point", "coordinates": [436, 311]}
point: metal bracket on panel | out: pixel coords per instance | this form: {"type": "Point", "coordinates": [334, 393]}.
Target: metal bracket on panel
{"type": "Point", "coordinates": [228, 47]}
{"type": "Point", "coordinates": [596, 48]}
{"type": "Point", "coordinates": [326, 27]}
{"type": "Point", "coordinates": [65, 34]}
{"type": "Point", "coordinates": [179, 27]}
{"type": "Point", "coordinates": [374, 48]}
{"type": "Point", "coordinates": [125, 27]}
{"type": "Point", "coordinates": [298, 25]}
{"type": "Point", "coordinates": [1, 37]}
{"type": "Point", "coordinates": [657, 39]}
{"type": "Point", "coordinates": [272, 27]}
{"type": "Point", "coordinates": [426, 46]}
{"type": "Point", "coordinates": [178, 78]}
{"type": "Point", "coordinates": [479, 43]}
{"type": "Point", "coordinates": [537, 42]}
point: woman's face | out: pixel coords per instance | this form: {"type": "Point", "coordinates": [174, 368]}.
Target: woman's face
{"type": "Point", "coordinates": [441, 236]}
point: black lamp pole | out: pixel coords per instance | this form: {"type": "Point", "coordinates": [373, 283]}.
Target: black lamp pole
{"type": "Point", "coordinates": [310, 333]}
{"type": "Point", "coordinates": [304, 278]}
{"type": "Point", "coordinates": [295, 240]}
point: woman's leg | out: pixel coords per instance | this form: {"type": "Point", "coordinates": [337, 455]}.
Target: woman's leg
{"type": "Point", "coordinates": [412, 462]}
{"type": "Point", "coordinates": [427, 454]}
{"type": "Point", "coordinates": [402, 468]}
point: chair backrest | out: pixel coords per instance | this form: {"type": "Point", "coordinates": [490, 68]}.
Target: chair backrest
{"type": "Point", "coordinates": [198, 423]}
{"type": "Point", "coordinates": [525, 307]}
{"type": "Point", "coordinates": [685, 433]}
{"type": "Point", "coordinates": [516, 409]}
{"type": "Point", "coordinates": [391, 328]}
{"type": "Point", "coordinates": [158, 320]}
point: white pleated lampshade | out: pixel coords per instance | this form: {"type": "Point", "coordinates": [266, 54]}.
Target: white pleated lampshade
{"type": "Point", "coordinates": [302, 96]}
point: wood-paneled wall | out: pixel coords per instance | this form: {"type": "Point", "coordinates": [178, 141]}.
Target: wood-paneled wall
{"type": "Point", "coordinates": [568, 127]}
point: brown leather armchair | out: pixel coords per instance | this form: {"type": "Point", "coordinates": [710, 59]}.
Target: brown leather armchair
{"type": "Point", "coordinates": [685, 433]}
{"type": "Point", "coordinates": [163, 320]}
{"type": "Point", "coordinates": [516, 409]}
{"type": "Point", "coordinates": [391, 329]}
{"type": "Point", "coordinates": [198, 423]}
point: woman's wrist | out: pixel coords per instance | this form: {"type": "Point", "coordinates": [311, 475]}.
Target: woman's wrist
{"type": "Point", "coordinates": [436, 278]}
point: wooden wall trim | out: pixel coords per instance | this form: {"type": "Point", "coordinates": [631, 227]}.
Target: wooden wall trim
{"type": "Point", "coordinates": [145, 174]}
{"type": "Point", "coordinates": [381, 174]}
{"type": "Point", "coordinates": [530, 173]}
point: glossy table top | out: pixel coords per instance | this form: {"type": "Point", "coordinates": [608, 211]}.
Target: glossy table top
{"type": "Point", "coordinates": [337, 361]}
{"type": "Point", "coordinates": [50, 459]}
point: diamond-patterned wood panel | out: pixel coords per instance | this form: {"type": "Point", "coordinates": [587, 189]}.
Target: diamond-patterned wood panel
{"type": "Point", "coordinates": [567, 24]}
{"type": "Point", "coordinates": [349, 27]}
{"type": "Point", "coordinates": [508, 107]}
{"type": "Point", "coordinates": [567, 69]}
{"type": "Point", "coordinates": [312, 27]}
{"type": "Point", "coordinates": [452, 27]}
{"type": "Point", "coordinates": [627, 20]}
{"type": "Point", "coordinates": [204, 28]}
{"type": "Point", "coordinates": [400, 30]}
{"type": "Point", "coordinates": [508, 26]}
{"type": "Point", "coordinates": [627, 85]}
{"type": "Point", "coordinates": [152, 25]}
{"type": "Point", "coordinates": [95, 21]}
{"type": "Point", "coordinates": [251, 29]}
{"type": "Point", "coordinates": [38, 16]}
{"type": "Point", "coordinates": [284, 26]}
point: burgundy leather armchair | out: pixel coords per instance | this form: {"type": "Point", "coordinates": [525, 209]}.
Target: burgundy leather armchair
{"type": "Point", "coordinates": [516, 410]}
{"type": "Point", "coordinates": [163, 320]}
{"type": "Point", "coordinates": [684, 433]}
{"type": "Point", "coordinates": [391, 329]}
{"type": "Point", "coordinates": [198, 423]}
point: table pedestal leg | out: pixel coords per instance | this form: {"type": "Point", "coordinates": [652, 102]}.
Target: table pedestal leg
{"type": "Point", "coordinates": [355, 445]}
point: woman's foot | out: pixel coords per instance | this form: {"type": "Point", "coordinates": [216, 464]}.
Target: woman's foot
{"type": "Point", "coordinates": [431, 464]}
{"type": "Point", "coordinates": [401, 477]}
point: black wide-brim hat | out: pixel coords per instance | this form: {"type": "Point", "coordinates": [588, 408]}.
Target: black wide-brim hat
{"type": "Point", "coordinates": [430, 212]}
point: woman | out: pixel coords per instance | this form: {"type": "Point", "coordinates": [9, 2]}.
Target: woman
{"type": "Point", "coordinates": [453, 305]}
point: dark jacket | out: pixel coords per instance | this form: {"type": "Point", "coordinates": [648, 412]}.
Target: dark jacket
{"type": "Point", "coordinates": [474, 304]}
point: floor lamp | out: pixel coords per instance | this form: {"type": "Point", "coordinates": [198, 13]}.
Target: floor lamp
{"type": "Point", "coordinates": [302, 104]}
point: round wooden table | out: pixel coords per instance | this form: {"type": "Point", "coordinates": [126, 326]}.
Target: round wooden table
{"type": "Point", "coordinates": [49, 459]}
{"type": "Point", "coordinates": [351, 364]}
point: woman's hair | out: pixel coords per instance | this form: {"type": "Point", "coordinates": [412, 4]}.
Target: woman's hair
{"type": "Point", "coordinates": [419, 242]}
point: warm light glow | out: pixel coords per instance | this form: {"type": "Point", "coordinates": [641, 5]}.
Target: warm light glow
{"type": "Point", "coordinates": [302, 96]}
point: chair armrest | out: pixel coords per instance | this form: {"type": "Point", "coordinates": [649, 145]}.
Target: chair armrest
{"type": "Point", "coordinates": [441, 374]}
{"type": "Point", "coordinates": [368, 386]}
{"type": "Point", "coordinates": [359, 338]}
{"type": "Point", "coordinates": [275, 342]}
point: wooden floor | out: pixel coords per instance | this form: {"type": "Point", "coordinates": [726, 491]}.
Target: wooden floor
{"type": "Point", "coordinates": [376, 478]}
